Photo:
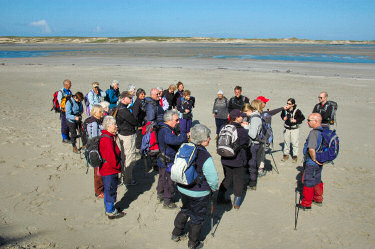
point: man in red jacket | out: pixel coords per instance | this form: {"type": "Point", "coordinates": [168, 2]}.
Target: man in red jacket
{"type": "Point", "coordinates": [111, 166]}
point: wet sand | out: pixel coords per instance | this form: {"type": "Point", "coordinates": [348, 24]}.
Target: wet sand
{"type": "Point", "coordinates": [48, 201]}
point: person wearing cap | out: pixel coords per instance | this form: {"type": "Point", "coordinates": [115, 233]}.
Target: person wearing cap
{"type": "Point", "coordinates": [292, 118]}
{"type": "Point", "coordinates": [127, 124]}
{"type": "Point", "coordinates": [254, 127]}
{"type": "Point", "coordinates": [234, 168]}
{"type": "Point", "coordinates": [94, 97]}
{"type": "Point", "coordinates": [220, 111]}
{"type": "Point", "coordinates": [112, 94]}
{"type": "Point", "coordinates": [267, 117]}
{"type": "Point", "coordinates": [238, 100]}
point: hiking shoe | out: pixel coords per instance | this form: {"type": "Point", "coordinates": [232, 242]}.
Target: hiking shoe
{"type": "Point", "coordinates": [252, 188]}
{"type": "Point", "coordinates": [75, 150]}
{"type": "Point", "coordinates": [177, 238]}
{"type": "Point", "coordinates": [197, 246]}
{"type": "Point", "coordinates": [261, 172]}
{"type": "Point", "coordinates": [101, 195]}
{"type": "Point", "coordinates": [115, 214]}
{"type": "Point", "coordinates": [303, 207]}
{"type": "Point", "coordinates": [319, 204]}
{"type": "Point", "coordinates": [169, 206]}
{"type": "Point", "coordinates": [66, 141]}
{"type": "Point", "coordinates": [285, 158]}
{"type": "Point", "coordinates": [295, 158]}
{"type": "Point", "coordinates": [160, 198]}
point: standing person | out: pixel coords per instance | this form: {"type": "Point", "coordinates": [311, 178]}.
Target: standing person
{"type": "Point", "coordinates": [254, 127]}
{"type": "Point", "coordinates": [220, 111]}
{"type": "Point", "coordinates": [185, 107]}
{"type": "Point", "coordinates": [266, 115]}
{"type": "Point", "coordinates": [238, 100]}
{"type": "Point", "coordinates": [94, 97]}
{"type": "Point", "coordinates": [64, 92]}
{"type": "Point", "coordinates": [131, 89]}
{"type": "Point", "coordinates": [105, 106]}
{"type": "Point", "coordinates": [139, 112]}
{"type": "Point", "coordinates": [312, 176]}
{"type": "Point", "coordinates": [195, 199]}
{"type": "Point", "coordinates": [73, 112]}
{"type": "Point", "coordinates": [292, 117]}
{"type": "Point", "coordinates": [324, 109]}
{"type": "Point", "coordinates": [154, 111]}
{"type": "Point", "coordinates": [169, 143]}
{"type": "Point", "coordinates": [93, 128]}
{"type": "Point", "coordinates": [234, 168]}
{"type": "Point", "coordinates": [169, 95]}
{"type": "Point", "coordinates": [163, 101]}
{"type": "Point", "coordinates": [179, 95]}
{"type": "Point", "coordinates": [127, 124]}
{"type": "Point", "coordinates": [113, 94]}
{"type": "Point", "coordinates": [111, 166]}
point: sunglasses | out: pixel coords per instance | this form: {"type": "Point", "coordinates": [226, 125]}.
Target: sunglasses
{"type": "Point", "coordinates": [309, 120]}
{"type": "Point", "coordinates": [289, 103]}
{"type": "Point", "coordinates": [320, 97]}
{"type": "Point", "coordinates": [177, 120]}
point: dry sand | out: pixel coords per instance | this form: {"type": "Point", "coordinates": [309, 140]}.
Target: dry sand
{"type": "Point", "coordinates": [47, 200]}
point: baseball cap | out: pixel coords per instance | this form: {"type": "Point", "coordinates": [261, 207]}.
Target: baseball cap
{"type": "Point", "coordinates": [125, 94]}
{"type": "Point", "coordinates": [263, 99]}
{"type": "Point", "coordinates": [235, 114]}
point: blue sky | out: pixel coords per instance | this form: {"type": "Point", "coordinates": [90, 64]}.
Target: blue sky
{"type": "Point", "coordinates": [313, 19]}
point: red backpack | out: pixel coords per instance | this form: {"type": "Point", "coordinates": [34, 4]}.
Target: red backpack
{"type": "Point", "coordinates": [55, 102]}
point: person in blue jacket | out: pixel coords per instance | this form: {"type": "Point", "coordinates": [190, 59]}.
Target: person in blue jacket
{"type": "Point", "coordinates": [73, 113]}
{"type": "Point", "coordinates": [169, 143]}
{"type": "Point", "coordinates": [195, 198]}
{"type": "Point", "coordinates": [112, 94]}
{"type": "Point", "coordinates": [64, 92]}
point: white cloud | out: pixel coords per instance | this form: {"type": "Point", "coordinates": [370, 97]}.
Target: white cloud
{"type": "Point", "coordinates": [42, 23]}
{"type": "Point", "coordinates": [98, 29]}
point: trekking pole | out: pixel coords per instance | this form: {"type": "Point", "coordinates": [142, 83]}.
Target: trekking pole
{"type": "Point", "coordinates": [212, 216]}
{"type": "Point", "coordinates": [273, 159]}
{"type": "Point", "coordinates": [296, 210]}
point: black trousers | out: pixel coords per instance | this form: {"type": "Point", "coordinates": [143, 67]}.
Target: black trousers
{"type": "Point", "coordinates": [73, 131]}
{"type": "Point", "coordinates": [233, 176]}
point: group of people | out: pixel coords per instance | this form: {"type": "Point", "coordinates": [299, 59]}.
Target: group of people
{"type": "Point", "coordinates": [120, 117]}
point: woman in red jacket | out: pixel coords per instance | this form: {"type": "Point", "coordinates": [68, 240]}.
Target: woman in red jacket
{"type": "Point", "coordinates": [111, 166]}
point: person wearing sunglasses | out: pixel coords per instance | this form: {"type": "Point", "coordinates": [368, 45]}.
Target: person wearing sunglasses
{"type": "Point", "coordinates": [292, 117]}
{"type": "Point", "coordinates": [94, 97]}
{"type": "Point", "coordinates": [324, 108]}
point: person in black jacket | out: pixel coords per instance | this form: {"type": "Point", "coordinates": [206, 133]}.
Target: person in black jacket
{"type": "Point", "coordinates": [127, 124]}
{"type": "Point", "coordinates": [179, 95]}
{"type": "Point", "coordinates": [324, 109]}
{"type": "Point", "coordinates": [292, 117]}
{"type": "Point", "coordinates": [234, 168]}
{"type": "Point", "coordinates": [169, 95]}
{"type": "Point", "coordinates": [185, 107]}
{"type": "Point", "coordinates": [238, 100]}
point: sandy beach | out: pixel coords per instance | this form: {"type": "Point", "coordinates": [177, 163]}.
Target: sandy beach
{"type": "Point", "coordinates": [47, 199]}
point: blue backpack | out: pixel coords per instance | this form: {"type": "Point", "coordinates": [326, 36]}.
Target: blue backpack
{"type": "Point", "coordinates": [266, 134]}
{"type": "Point", "coordinates": [329, 146]}
{"type": "Point", "coordinates": [183, 170]}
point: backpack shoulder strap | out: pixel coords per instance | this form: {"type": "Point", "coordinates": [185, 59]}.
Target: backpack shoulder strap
{"type": "Point", "coordinates": [294, 112]}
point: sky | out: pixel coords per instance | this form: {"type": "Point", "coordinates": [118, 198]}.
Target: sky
{"type": "Point", "coordinates": [304, 19]}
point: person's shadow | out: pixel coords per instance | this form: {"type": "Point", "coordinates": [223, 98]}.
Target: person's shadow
{"type": "Point", "coordinates": [145, 181]}
{"type": "Point", "coordinates": [299, 177]}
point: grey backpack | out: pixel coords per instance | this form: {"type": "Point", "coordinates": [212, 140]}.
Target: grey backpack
{"type": "Point", "coordinates": [228, 142]}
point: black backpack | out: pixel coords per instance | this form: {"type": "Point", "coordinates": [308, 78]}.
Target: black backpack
{"type": "Point", "coordinates": [92, 152]}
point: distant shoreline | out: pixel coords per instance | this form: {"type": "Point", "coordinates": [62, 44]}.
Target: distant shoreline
{"type": "Point", "coordinates": [114, 40]}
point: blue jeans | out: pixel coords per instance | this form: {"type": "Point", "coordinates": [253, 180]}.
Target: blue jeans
{"type": "Point", "coordinates": [110, 183]}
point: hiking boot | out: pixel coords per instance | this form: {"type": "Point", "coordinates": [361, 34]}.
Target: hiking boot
{"type": "Point", "coordinates": [101, 195]}
{"type": "Point", "coordinates": [177, 238]}
{"type": "Point", "coordinates": [285, 158]}
{"type": "Point", "coordinates": [115, 214]}
{"type": "Point", "coordinates": [319, 204]}
{"type": "Point", "coordinates": [75, 150]}
{"type": "Point", "coordinates": [170, 205]}
{"type": "Point", "coordinates": [261, 172]}
{"type": "Point", "coordinates": [66, 141]}
{"type": "Point", "coordinates": [253, 188]}
{"type": "Point", "coordinates": [197, 246]}
{"type": "Point", "coordinates": [295, 158]}
{"type": "Point", "coordinates": [303, 207]}
{"type": "Point", "coordinates": [160, 198]}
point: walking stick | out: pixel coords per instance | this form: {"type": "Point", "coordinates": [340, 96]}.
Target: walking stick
{"type": "Point", "coordinates": [212, 217]}
{"type": "Point", "coordinates": [273, 159]}
{"type": "Point", "coordinates": [296, 210]}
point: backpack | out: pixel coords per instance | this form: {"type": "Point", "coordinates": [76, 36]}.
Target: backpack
{"type": "Point", "coordinates": [149, 145]}
{"type": "Point", "coordinates": [332, 119]}
{"type": "Point", "coordinates": [115, 110]}
{"type": "Point", "coordinates": [86, 99]}
{"type": "Point", "coordinates": [228, 143]}
{"type": "Point", "coordinates": [329, 146]}
{"type": "Point", "coordinates": [265, 135]}
{"type": "Point", "coordinates": [183, 170]}
{"type": "Point", "coordinates": [92, 152]}
{"type": "Point", "coordinates": [63, 102]}
{"type": "Point", "coordinates": [55, 102]}
{"type": "Point", "coordinates": [106, 98]}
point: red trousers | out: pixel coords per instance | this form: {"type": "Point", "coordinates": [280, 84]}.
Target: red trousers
{"type": "Point", "coordinates": [98, 182]}
{"type": "Point", "coordinates": [312, 193]}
